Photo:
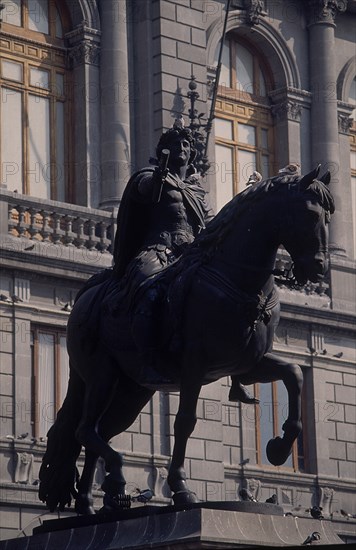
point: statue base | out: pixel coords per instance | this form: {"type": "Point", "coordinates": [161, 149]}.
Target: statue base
{"type": "Point", "coordinates": [208, 525]}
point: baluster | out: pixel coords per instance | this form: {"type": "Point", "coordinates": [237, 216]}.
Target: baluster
{"type": "Point", "coordinates": [21, 225]}
{"type": "Point", "coordinates": [69, 235]}
{"type": "Point", "coordinates": [92, 238]}
{"type": "Point", "coordinates": [104, 241]}
{"type": "Point", "coordinates": [46, 228]}
{"type": "Point", "coordinates": [81, 237]}
{"type": "Point", "coordinates": [33, 229]}
{"type": "Point", "coordinates": [12, 221]}
{"type": "Point", "coordinates": [57, 231]}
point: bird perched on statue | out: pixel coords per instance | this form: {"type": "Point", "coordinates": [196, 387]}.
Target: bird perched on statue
{"type": "Point", "coordinates": [179, 122]}
{"type": "Point", "coordinates": [273, 499]}
{"type": "Point", "coordinates": [246, 495]}
{"type": "Point", "coordinates": [315, 536]}
{"type": "Point", "coordinates": [255, 177]}
{"type": "Point", "coordinates": [292, 169]}
{"type": "Point", "coordinates": [315, 512]}
{"type": "Point", "coordinates": [143, 496]}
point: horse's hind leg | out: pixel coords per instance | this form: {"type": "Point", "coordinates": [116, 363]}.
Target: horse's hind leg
{"type": "Point", "coordinates": [126, 403]}
{"type": "Point", "coordinates": [270, 369]}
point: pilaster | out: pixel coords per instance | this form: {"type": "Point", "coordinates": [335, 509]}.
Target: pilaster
{"type": "Point", "coordinates": [324, 117]}
{"type": "Point", "coordinates": [115, 103]}
{"type": "Point", "coordinates": [84, 58]}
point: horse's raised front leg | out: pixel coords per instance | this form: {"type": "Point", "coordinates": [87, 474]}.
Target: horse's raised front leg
{"type": "Point", "coordinates": [183, 427]}
{"type": "Point", "coordinates": [270, 369]}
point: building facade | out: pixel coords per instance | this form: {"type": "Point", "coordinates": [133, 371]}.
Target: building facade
{"type": "Point", "coordinates": [87, 88]}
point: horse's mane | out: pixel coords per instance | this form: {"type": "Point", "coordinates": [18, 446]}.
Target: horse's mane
{"type": "Point", "coordinates": [217, 229]}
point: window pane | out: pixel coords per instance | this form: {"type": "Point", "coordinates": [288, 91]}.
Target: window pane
{"type": "Point", "coordinates": [38, 15]}
{"type": "Point", "coordinates": [244, 70]}
{"type": "Point", "coordinates": [282, 412]}
{"type": "Point", "coordinates": [352, 97]}
{"type": "Point", "coordinates": [264, 138]}
{"type": "Point", "coordinates": [39, 147]}
{"type": "Point", "coordinates": [225, 71]}
{"type": "Point", "coordinates": [265, 166]}
{"type": "Point", "coordinates": [59, 28]}
{"type": "Point", "coordinates": [262, 84]}
{"type": "Point", "coordinates": [11, 149]}
{"type": "Point", "coordinates": [353, 160]}
{"type": "Point", "coordinates": [12, 70]}
{"type": "Point", "coordinates": [247, 134]}
{"type": "Point", "coordinates": [63, 368]}
{"type": "Point", "coordinates": [246, 163]}
{"type": "Point", "coordinates": [224, 179]}
{"type": "Point", "coordinates": [46, 381]}
{"type": "Point", "coordinates": [353, 202]}
{"type": "Point", "coordinates": [59, 84]}
{"type": "Point", "coordinates": [59, 168]}
{"type": "Point", "coordinates": [12, 12]}
{"type": "Point", "coordinates": [39, 78]}
{"type": "Point", "coordinates": [266, 419]}
{"type": "Point", "coordinates": [223, 128]}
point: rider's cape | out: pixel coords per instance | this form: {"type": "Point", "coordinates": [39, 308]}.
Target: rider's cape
{"type": "Point", "coordinates": [133, 216]}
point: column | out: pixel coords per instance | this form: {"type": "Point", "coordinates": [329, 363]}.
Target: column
{"type": "Point", "coordinates": [324, 119]}
{"type": "Point", "coordinates": [115, 112]}
{"type": "Point", "coordinates": [84, 56]}
{"type": "Point", "coordinates": [287, 113]}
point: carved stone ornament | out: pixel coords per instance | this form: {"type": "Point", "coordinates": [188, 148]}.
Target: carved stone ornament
{"type": "Point", "coordinates": [287, 109]}
{"type": "Point", "coordinates": [23, 470]}
{"type": "Point", "coordinates": [254, 486]}
{"type": "Point", "coordinates": [345, 123]}
{"type": "Point", "coordinates": [85, 51]}
{"type": "Point", "coordinates": [255, 9]}
{"type": "Point", "coordinates": [326, 495]}
{"type": "Point", "coordinates": [160, 478]}
{"type": "Point", "coordinates": [325, 11]}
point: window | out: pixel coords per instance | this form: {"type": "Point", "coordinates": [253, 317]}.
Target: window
{"type": "Point", "coordinates": [243, 123]}
{"type": "Point", "coordinates": [352, 100]}
{"type": "Point", "coordinates": [271, 413]}
{"type": "Point", "coordinates": [50, 367]}
{"type": "Point", "coordinates": [35, 112]}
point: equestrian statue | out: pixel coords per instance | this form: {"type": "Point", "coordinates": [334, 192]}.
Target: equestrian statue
{"type": "Point", "coordinates": [191, 298]}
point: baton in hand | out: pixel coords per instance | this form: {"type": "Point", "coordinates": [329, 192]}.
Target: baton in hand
{"type": "Point", "coordinates": [161, 175]}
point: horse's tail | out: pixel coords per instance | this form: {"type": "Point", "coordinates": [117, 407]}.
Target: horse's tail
{"type": "Point", "coordinates": [58, 473]}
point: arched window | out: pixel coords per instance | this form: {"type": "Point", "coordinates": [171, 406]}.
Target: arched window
{"type": "Point", "coordinates": [352, 100]}
{"type": "Point", "coordinates": [35, 107]}
{"type": "Point", "coordinates": [243, 123]}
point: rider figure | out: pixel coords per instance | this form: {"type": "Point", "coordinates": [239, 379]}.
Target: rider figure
{"type": "Point", "coordinates": [162, 210]}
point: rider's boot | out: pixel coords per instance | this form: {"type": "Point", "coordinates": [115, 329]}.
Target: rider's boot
{"type": "Point", "coordinates": [238, 392]}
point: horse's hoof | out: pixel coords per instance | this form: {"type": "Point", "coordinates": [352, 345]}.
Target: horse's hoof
{"type": "Point", "coordinates": [113, 486]}
{"type": "Point", "coordinates": [185, 497]}
{"type": "Point", "coordinates": [84, 506]}
{"type": "Point", "coordinates": [277, 451]}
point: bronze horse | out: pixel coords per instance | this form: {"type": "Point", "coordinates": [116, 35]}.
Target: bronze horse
{"type": "Point", "coordinates": [221, 308]}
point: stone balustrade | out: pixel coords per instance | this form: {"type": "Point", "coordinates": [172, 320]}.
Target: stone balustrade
{"type": "Point", "coordinates": [57, 223]}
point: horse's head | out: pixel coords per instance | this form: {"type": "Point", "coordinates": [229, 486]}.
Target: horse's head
{"type": "Point", "coordinates": [305, 235]}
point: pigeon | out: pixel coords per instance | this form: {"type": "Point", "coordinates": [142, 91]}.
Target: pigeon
{"type": "Point", "coordinates": [255, 177]}
{"type": "Point", "coordinates": [143, 496]}
{"type": "Point", "coordinates": [315, 512]}
{"type": "Point", "coordinates": [273, 499]}
{"type": "Point", "coordinates": [179, 123]}
{"type": "Point", "coordinates": [4, 298]}
{"type": "Point", "coordinates": [292, 169]}
{"type": "Point", "coordinates": [312, 538]}
{"type": "Point", "coordinates": [16, 299]}
{"type": "Point", "coordinates": [67, 307]}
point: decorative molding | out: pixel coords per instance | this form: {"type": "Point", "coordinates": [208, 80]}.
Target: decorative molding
{"type": "Point", "coordinates": [22, 289]}
{"type": "Point", "coordinates": [287, 109]}
{"type": "Point", "coordinates": [24, 466]}
{"type": "Point", "coordinates": [255, 9]}
{"type": "Point", "coordinates": [324, 11]}
{"type": "Point", "coordinates": [160, 477]}
{"type": "Point", "coordinates": [85, 51]}
{"type": "Point", "coordinates": [345, 123]}
{"type": "Point", "coordinates": [326, 495]}
{"type": "Point", "coordinates": [253, 486]}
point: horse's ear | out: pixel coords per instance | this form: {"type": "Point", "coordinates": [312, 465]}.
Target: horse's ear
{"type": "Point", "coordinates": [325, 178]}
{"type": "Point", "coordinates": [308, 178]}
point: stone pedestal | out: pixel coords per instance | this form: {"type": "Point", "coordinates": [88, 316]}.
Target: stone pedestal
{"type": "Point", "coordinates": [205, 525]}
